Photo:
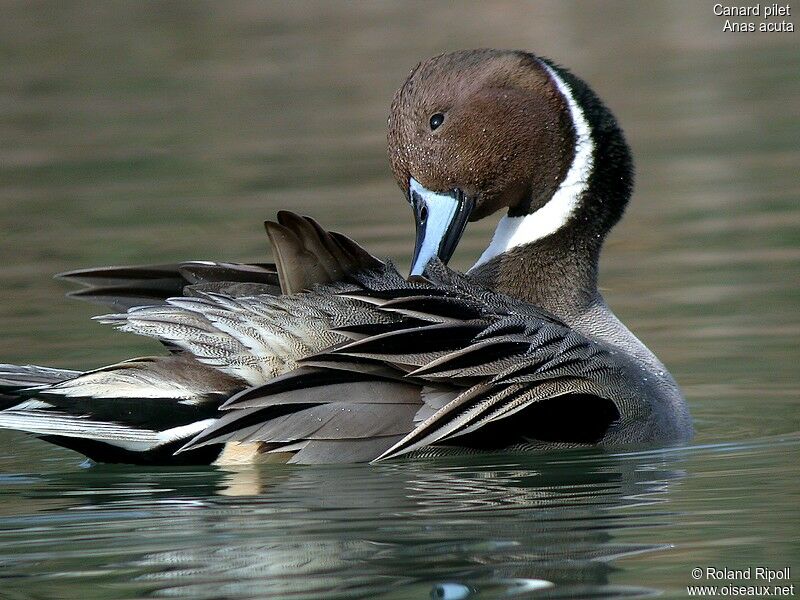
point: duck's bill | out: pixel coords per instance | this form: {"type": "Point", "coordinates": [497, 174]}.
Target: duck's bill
{"type": "Point", "coordinates": [441, 219]}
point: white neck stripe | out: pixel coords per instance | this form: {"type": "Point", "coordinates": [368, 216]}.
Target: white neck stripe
{"type": "Point", "coordinates": [517, 231]}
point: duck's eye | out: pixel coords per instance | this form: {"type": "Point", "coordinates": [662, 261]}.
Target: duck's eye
{"type": "Point", "coordinates": [436, 120]}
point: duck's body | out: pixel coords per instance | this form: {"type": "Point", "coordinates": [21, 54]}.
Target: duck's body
{"type": "Point", "coordinates": [332, 356]}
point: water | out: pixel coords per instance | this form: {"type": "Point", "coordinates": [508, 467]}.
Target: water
{"type": "Point", "coordinates": [136, 132]}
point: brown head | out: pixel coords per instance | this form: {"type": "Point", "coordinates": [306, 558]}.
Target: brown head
{"type": "Point", "coordinates": [477, 131]}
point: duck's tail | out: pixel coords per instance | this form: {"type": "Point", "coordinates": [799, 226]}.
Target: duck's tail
{"type": "Point", "coordinates": [228, 328]}
{"type": "Point", "coordinates": [88, 413]}
{"type": "Point", "coordinates": [16, 377]}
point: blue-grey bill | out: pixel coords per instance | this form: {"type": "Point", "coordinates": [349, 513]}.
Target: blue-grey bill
{"type": "Point", "coordinates": [441, 219]}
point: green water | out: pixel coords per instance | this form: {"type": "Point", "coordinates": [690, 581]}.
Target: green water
{"type": "Point", "coordinates": [144, 132]}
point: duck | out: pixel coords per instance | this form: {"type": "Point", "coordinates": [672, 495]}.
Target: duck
{"type": "Point", "coordinates": [329, 354]}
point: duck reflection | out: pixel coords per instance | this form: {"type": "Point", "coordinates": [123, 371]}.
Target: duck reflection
{"type": "Point", "coordinates": [446, 528]}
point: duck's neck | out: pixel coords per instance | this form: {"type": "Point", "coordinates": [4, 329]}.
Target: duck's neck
{"type": "Point", "coordinates": [549, 257]}
{"type": "Point", "coordinates": [557, 273]}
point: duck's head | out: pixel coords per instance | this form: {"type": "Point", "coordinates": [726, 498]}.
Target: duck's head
{"type": "Point", "coordinates": [477, 131]}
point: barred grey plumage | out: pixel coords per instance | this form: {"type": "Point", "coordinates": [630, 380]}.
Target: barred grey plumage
{"type": "Point", "coordinates": [369, 366]}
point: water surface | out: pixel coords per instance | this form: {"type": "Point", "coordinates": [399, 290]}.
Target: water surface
{"type": "Point", "coordinates": [146, 132]}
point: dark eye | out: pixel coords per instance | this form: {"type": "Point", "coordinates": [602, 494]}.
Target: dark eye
{"type": "Point", "coordinates": [436, 121]}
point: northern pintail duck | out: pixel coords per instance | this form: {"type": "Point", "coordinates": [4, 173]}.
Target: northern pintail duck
{"type": "Point", "coordinates": [330, 355]}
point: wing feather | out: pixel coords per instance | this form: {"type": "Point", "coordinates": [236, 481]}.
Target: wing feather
{"type": "Point", "coordinates": [353, 361]}
{"type": "Point", "coordinates": [122, 288]}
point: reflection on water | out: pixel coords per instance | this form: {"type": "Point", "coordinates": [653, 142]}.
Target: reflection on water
{"type": "Point", "coordinates": [503, 526]}
{"type": "Point", "coordinates": [572, 524]}
{"type": "Point", "coordinates": [162, 131]}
